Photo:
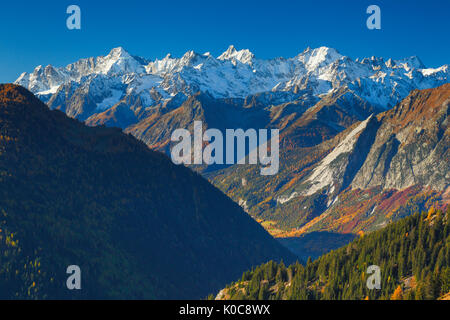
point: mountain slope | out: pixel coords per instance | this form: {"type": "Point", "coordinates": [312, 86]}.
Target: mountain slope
{"type": "Point", "coordinates": [380, 169]}
{"type": "Point", "coordinates": [412, 254]}
{"type": "Point", "coordinates": [137, 225]}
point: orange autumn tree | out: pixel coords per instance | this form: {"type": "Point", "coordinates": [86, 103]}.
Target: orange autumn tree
{"type": "Point", "coordinates": [431, 212]}
{"type": "Point", "coordinates": [398, 294]}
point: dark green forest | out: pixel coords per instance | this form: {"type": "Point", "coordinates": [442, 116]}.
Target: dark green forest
{"type": "Point", "coordinates": [413, 256]}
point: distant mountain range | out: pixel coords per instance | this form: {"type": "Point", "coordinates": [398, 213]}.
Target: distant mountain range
{"type": "Point", "coordinates": [137, 225]}
{"type": "Point", "coordinates": [129, 88]}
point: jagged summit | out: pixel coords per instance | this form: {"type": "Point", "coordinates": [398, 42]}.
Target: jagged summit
{"type": "Point", "coordinates": [230, 51]}
{"type": "Point", "coordinates": [234, 74]}
{"type": "Point", "coordinates": [314, 58]}
{"type": "Point", "coordinates": [243, 56]}
{"type": "Point", "coordinates": [412, 62]}
{"type": "Point", "coordinates": [118, 52]}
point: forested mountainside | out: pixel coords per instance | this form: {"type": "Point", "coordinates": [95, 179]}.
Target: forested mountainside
{"type": "Point", "coordinates": [137, 225]}
{"type": "Point", "coordinates": [413, 255]}
{"type": "Point", "coordinates": [376, 171]}
{"type": "Point", "coordinates": [314, 244]}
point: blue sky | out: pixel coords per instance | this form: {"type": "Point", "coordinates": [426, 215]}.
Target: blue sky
{"type": "Point", "coordinates": [34, 32]}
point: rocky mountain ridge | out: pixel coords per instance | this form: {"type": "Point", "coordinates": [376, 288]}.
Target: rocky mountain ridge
{"type": "Point", "coordinates": [93, 85]}
{"type": "Point", "coordinates": [374, 171]}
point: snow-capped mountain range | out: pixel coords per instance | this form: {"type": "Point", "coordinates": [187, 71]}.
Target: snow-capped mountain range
{"type": "Point", "coordinates": [106, 80]}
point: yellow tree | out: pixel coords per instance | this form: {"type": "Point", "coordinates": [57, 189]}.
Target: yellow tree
{"type": "Point", "coordinates": [398, 294]}
{"type": "Point", "coordinates": [431, 212]}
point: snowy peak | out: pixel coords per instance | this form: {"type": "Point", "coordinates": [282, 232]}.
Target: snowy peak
{"type": "Point", "coordinates": [189, 58]}
{"type": "Point", "coordinates": [243, 56]}
{"type": "Point", "coordinates": [228, 53]}
{"type": "Point", "coordinates": [170, 65]}
{"type": "Point", "coordinates": [118, 52]}
{"type": "Point", "coordinates": [314, 58]}
{"type": "Point", "coordinates": [411, 62]}
{"type": "Point", "coordinates": [119, 62]}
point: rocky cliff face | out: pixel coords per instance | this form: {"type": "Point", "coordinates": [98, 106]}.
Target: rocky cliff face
{"type": "Point", "coordinates": [411, 145]}
{"type": "Point", "coordinates": [380, 169]}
